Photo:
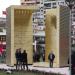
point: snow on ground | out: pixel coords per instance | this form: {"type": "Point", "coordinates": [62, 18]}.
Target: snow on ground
{"type": "Point", "coordinates": [64, 70]}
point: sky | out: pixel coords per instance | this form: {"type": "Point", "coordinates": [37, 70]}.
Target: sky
{"type": "Point", "coordinates": [6, 3]}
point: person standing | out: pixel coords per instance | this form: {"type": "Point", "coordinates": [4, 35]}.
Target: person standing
{"type": "Point", "coordinates": [51, 58]}
{"type": "Point", "coordinates": [24, 59]}
{"type": "Point", "coordinates": [18, 58]}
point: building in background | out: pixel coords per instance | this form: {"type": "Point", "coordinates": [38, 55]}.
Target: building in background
{"type": "Point", "coordinates": [48, 4]}
{"type": "Point", "coordinates": [3, 31]}
{"type": "Point", "coordinates": [2, 40]}
{"type": "Point", "coordinates": [73, 29]}
{"type": "Point", "coordinates": [30, 2]}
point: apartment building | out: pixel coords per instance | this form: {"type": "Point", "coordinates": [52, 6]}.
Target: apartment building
{"type": "Point", "coordinates": [29, 2]}
{"type": "Point", "coordinates": [2, 39]}
{"type": "Point", "coordinates": [73, 28]}
{"type": "Point", "coordinates": [53, 3]}
{"type": "Point", "coordinates": [3, 31]}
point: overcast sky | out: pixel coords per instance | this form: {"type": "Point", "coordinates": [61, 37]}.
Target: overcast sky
{"type": "Point", "coordinates": [6, 3]}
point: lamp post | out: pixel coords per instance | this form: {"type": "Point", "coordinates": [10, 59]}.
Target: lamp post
{"type": "Point", "coordinates": [70, 4]}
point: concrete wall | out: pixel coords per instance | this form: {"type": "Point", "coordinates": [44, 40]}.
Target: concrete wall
{"type": "Point", "coordinates": [8, 36]}
{"type": "Point", "coordinates": [64, 36]}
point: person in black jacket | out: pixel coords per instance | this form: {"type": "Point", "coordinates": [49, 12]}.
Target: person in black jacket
{"type": "Point", "coordinates": [51, 57]}
{"type": "Point", "coordinates": [24, 59]}
{"type": "Point", "coordinates": [18, 58]}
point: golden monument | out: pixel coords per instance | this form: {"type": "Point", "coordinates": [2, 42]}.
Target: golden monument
{"type": "Point", "coordinates": [57, 34]}
{"type": "Point", "coordinates": [20, 33]}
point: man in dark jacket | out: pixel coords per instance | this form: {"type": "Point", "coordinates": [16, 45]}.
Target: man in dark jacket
{"type": "Point", "coordinates": [18, 58]}
{"type": "Point", "coordinates": [51, 57]}
{"type": "Point", "coordinates": [24, 59]}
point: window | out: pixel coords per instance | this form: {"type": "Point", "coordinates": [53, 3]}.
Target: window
{"type": "Point", "coordinates": [73, 19]}
{"type": "Point", "coordinates": [1, 30]}
{"type": "Point", "coordinates": [73, 15]}
{"type": "Point", "coordinates": [54, 6]}
{"type": "Point", "coordinates": [61, 3]}
{"type": "Point", "coordinates": [73, 11]}
{"type": "Point", "coordinates": [2, 38]}
{"type": "Point", "coordinates": [47, 5]}
{"type": "Point", "coordinates": [54, 3]}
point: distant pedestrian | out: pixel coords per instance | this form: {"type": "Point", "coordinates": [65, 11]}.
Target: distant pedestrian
{"type": "Point", "coordinates": [24, 59]}
{"type": "Point", "coordinates": [18, 59]}
{"type": "Point", "coordinates": [51, 57]}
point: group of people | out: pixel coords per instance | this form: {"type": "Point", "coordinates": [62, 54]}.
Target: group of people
{"type": "Point", "coordinates": [21, 59]}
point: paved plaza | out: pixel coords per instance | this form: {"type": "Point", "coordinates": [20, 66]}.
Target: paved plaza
{"type": "Point", "coordinates": [64, 70]}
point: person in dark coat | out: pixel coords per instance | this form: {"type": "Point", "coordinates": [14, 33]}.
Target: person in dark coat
{"type": "Point", "coordinates": [51, 57]}
{"type": "Point", "coordinates": [24, 59]}
{"type": "Point", "coordinates": [18, 58]}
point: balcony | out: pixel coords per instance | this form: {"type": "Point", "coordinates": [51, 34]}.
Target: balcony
{"type": "Point", "coordinates": [30, 2]}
